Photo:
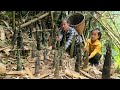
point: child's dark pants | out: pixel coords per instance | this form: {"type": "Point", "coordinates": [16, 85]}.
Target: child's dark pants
{"type": "Point", "coordinates": [95, 59]}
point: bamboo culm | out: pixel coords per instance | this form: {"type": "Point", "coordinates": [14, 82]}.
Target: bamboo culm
{"type": "Point", "coordinates": [56, 72]}
{"type": "Point", "coordinates": [19, 63]}
{"type": "Point", "coordinates": [60, 57]}
{"type": "Point", "coordinates": [14, 29]}
{"type": "Point", "coordinates": [45, 55]}
{"type": "Point", "coordinates": [54, 59]}
{"type": "Point", "coordinates": [77, 64]}
{"type": "Point", "coordinates": [72, 47]}
{"type": "Point", "coordinates": [38, 42]}
{"type": "Point", "coordinates": [37, 65]}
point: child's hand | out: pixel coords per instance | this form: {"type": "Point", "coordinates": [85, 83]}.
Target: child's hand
{"type": "Point", "coordinates": [89, 57]}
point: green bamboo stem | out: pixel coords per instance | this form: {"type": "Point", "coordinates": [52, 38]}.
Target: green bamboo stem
{"type": "Point", "coordinates": [72, 47]}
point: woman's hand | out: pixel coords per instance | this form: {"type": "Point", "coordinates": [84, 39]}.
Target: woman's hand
{"type": "Point", "coordinates": [57, 38]}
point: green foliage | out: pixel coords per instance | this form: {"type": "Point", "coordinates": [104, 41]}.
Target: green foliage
{"type": "Point", "coordinates": [8, 13]}
{"type": "Point", "coordinates": [116, 57]}
{"type": "Point", "coordinates": [109, 24]}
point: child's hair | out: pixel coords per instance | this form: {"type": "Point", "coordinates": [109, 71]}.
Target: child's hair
{"type": "Point", "coordinates": [99, 33]}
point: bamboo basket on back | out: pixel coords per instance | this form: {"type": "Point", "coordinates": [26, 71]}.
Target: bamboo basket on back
{"type": "Point", "coordinates": [77, 21]}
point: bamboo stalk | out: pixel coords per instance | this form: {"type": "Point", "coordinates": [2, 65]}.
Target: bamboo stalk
{"type": "Point", "coordinates": [78, 59]}
{"type": "Point", "coordinates": [50, 40]}
{"type": "Point", "coordinates": [60, 57]}
{"type": "Point", "coordinates": [54, 59]}
{"type": "Point", "coordinates": [45, 55]}
{"type": "Point", "coordinates": [64, 42]}
{"type": "Point", "coordinates": [34, 20]}
{"type": "Point", "coordinates": [41, 32]}
{"type": "Point", "coordinates": [38, 39]}
{"type": "Point", "coordinates": [56, 72]}
{"type": "Point", "coordinates": [32, 52]}
{"type": "Point", "coordinates": [37, 64]}
{"type": "Point", "coordinates": [19, 63]}
{"type": "Point", "coordinates": [86, 60]}
{"type": "Point", "coordinates": [52, 19]}
{"type": "Point", "coordinates": [80, 54]}
{"type": "Point", "coordinates": [114, 25]}
{"type": "Point", "coordinates": [111, 29]}
{"type": "Point", "coordinates": [19, 40]}
{"type": "Point", "coordinates": [113, 41]}
{"type": "Point", "coordinates": [77, 63]}
{"type": "Point", "coordinates": [13, 20]}
{"type": "Point", "coordinates": [15, 32]}
{"type": "Point", "coordinates": [72, 47]}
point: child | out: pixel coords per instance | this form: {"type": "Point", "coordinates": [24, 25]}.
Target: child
{"type": "Point", "coordinates": [93, 46]}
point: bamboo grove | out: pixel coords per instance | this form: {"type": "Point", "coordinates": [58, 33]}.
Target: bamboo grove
{"type": "Point", "coordinates": [42, 27]}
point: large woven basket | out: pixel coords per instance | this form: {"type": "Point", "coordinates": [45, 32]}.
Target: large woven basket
{"type": "Point", "coordinates": [77, 21]}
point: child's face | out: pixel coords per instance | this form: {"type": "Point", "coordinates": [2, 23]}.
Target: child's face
{"type": "Point", "coordinates": [94, 35]}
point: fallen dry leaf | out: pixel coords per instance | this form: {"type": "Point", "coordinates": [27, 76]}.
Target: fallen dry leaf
{"type": "Point", "coordinates": [29, 72]}
{"type": "Point", "coordinates": [44, 75]}
{"type": "Point", "coordinates": [74, 74]}
{"type": "Point", "coordinates": [86, 74]}
{"type": "Point", "coordinates": [16, 72]}
{"type": "Point", "coordinates": [7, 51]}
{"type": "Point", "coordinates": [2, 68]}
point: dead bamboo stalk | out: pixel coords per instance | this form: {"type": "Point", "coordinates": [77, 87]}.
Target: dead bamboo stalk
{"type": "Point", "coordinates": [34, 20]}
{"type": "Point", "coordinates": [50, 38]}
{"type": "Point", "coordinates": [52, 19]}
{"type": "Point", "coordinates": [13, 20]}
{"type": "Point", "coordinates": [44, 30]}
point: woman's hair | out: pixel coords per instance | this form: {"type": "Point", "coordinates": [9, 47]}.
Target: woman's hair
{"type": "Point", "coordinates": [99, 33]}
{"type": "Point", "coordinates": [65, 19]}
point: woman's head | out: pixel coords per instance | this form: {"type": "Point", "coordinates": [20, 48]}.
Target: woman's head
{"type": "Point", "coordinates": [65, 25]}
{"type": "Point", "coordinates": [95, 34]}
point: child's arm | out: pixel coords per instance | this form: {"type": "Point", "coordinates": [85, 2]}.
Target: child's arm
{"type": "Point", "coordinates": [97, 49]}
{"type": "Point", "coordinates": [86, 47]}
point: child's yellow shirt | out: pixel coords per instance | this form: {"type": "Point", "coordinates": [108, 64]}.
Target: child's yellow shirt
{"type": "Point", "coordinates": [93, 48]}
